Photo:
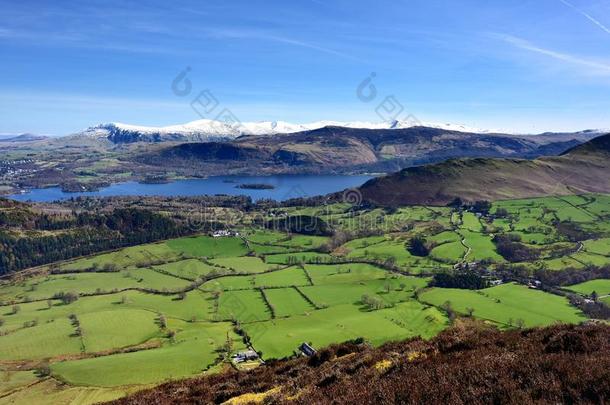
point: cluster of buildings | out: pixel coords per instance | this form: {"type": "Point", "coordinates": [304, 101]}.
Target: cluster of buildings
{"type": "Point", "coordinates": [11, 167]}
{"type": "Point", "coordinates": [224, 233]}
{"type": "Point", "coordinates": [251, 355]}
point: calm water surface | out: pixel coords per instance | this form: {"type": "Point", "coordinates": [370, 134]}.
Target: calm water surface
{"type": "Point", "coordinates": [286, 187]}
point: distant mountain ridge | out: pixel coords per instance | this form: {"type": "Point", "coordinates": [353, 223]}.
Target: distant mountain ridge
{"type": "Point", "coordinates": [22, 138]}
{"type": "Point", "coordinates": [347, 150]}
{"type": "Point", "coordinates": [581, 169]}
{"type": "Point", "coordinates": [209, 130]}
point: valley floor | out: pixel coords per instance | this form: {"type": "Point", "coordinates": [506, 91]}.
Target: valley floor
{"type": "Point", "coordinates": [97, 328]}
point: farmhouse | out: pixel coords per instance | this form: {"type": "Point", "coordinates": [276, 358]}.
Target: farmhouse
{"type": "Point", "coordinates": [224, 233]}
{"type": "Point", "coordinates": [534, 284]}
{"type": "Point", "coordinates": [307, 350]}
{"type": "Point", "coordinates": [246, 355]}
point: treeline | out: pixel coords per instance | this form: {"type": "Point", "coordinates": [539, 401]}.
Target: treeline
{"type": "Point", "coordinates": [467, 280]}
{"type": "Point", "coordinates": [303, 224]}
{"type": "Point", "coordinates": [510, 248]}
{"type": "Point", "coordinates": [80, 235]}
{"type": "Point", "coordinates": [565, 277]}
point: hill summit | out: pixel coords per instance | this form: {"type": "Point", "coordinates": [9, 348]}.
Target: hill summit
{"type": "Point", "coordinates": [582, 169]}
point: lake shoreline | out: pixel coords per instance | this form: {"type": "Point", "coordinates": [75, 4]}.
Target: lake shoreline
{"type": "Point", "coordinates": [280, 187]}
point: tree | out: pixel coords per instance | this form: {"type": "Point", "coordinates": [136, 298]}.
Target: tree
{"type": "Point", "coordinates": [417, 247]}
{"type": "Point", "coordinates": [372, 302]}
{"type": "Point", "coordinates": [67, 298]}
{"type": "Point", "coordinates": [162, 321]}
{"type": "Point", "coordinates": [482, 207]}
{"type": "Point", "coordinates": [501, 212]}
{"type": "Point", "coordinates": [594, 296]}
{"type": "Point", "coordinates": [109, 267]}
{"type": "Point", "coordinates": [449, 310]}
{"type": "Point", "coordinates": [43, 370]}
{"type": "Point", "coordinates": [456, 203]}
{"type": "Point", "coordinates": [228, 346]}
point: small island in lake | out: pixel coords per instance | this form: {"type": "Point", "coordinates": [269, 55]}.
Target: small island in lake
{"type": "Point", "coordinates": [155, 179]}
{"type": "Point", "coordinates": [255, 186]}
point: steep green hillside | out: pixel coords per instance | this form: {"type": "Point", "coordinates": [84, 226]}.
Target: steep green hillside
{"type": "Point", "coordinates": [582, 169]}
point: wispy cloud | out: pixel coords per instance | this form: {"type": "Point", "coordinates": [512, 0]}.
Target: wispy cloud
{"type": "Point", "coordinates": [253, 34]}
{"type": "Point", "coordinates": [591, 67]}
{"type": "Point", "coordinates": [587, 16]}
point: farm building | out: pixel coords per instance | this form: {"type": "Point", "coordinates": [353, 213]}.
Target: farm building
{"type": "Point", "coordinates": [246, 355]}
{"type": "Point", "coordinates": [224, 233]}
{"type": "Point", "coordinates": [307, 350]}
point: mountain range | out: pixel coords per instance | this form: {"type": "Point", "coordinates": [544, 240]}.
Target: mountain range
{"type": "Point", "coordinates": [211, 130]}
{"type": "Point", "coordinates": [342, 149]}
{"type": "Point", "coordinates": [109, 153]}
{"type": "Point", "coordinates": [22, 138]}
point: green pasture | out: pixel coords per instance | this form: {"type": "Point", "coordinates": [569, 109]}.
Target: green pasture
{"type": "Point", "coordinates": [287, 302]}
{"type": "Point", "coordinates": [105, 330]}
{"type": "Point", "coordinates": [506, 304]}
{"type": "Point", "coordinates": [194, 349]}
{"type": "Point", "coordinates": [207, 246]}
{"type": "Point", "coordinates": [247, 264]}
{"type": "Point", "coordinates": [601, 287]}
{"type": "Point", "coordinates": [245, 306]}
{"type": "Point", "coordinates": [280, 337]}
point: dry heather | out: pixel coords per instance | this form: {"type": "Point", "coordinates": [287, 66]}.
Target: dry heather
{"type": "Point", "coordinates": [467, 364]}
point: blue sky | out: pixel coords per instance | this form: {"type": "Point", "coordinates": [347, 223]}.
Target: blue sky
{"type": "Point", "coordinates": [530, 65]}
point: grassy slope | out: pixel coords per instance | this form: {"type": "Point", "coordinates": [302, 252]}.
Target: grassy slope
{"type": "Point", "coordinates": [559, 364]}
{"type": "Point", "coordinates": [584, 169]}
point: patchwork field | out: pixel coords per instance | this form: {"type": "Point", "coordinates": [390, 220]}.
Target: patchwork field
{"type": "Point", "coordinates": [507, 304]}
{"type": "Point", "coordinates": [108, 324]}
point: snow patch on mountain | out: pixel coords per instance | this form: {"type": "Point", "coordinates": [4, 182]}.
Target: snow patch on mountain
{"type": "Point", "coordinates": [205, 129]}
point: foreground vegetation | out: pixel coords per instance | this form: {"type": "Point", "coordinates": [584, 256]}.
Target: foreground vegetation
{"type": "Point", "coordinates": [559, 364]}
{"type": "Point", "coordinates": [106, 325]}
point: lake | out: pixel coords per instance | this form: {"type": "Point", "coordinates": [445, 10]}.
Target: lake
{"type": "Point", "coordinates": [285, 187]}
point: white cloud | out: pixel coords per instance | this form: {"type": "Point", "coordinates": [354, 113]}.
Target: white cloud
{"type": "Point", "coordinates": [252, 34]}
{"type": "Point", "coordinates": [587, 16]}
{"type": "Point", "coordinates": [587, 66]}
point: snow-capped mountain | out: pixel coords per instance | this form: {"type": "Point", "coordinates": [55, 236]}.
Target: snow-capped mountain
{"type": "Point", "coordinates": [210, 130]}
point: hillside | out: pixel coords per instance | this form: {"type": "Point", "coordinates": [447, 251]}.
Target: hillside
{"type": "Point", "coordinates": [559, 364]}
{"type": "Point", "coordinates": [344, 149]}
{"type": "Point", "coordinates": [581, 169]}
{"type": "Point", "coordinates": [22, 138]}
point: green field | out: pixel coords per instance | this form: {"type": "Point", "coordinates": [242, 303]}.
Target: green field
{"type": "Point", "coordinates": [244, 264]}
{"type": "Point", "coordinates": [281, 337]}
{"type": "Point", "coordinates": [287, 302]}
{"type": "Point", "coordinates": [205, 246]}
{"type": "Point", "coordinates": [190, 269]}
{"type": "Point", "coordinates": [506, 304]}
{"type": "Point", "coordinates": [106, 330]}
{"type": "Point", "coordinates": [191, 353]}
{"type": "Point", "coordinates": [601, 287]}
{"type": "Point", "coordinates": [150, 313]}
